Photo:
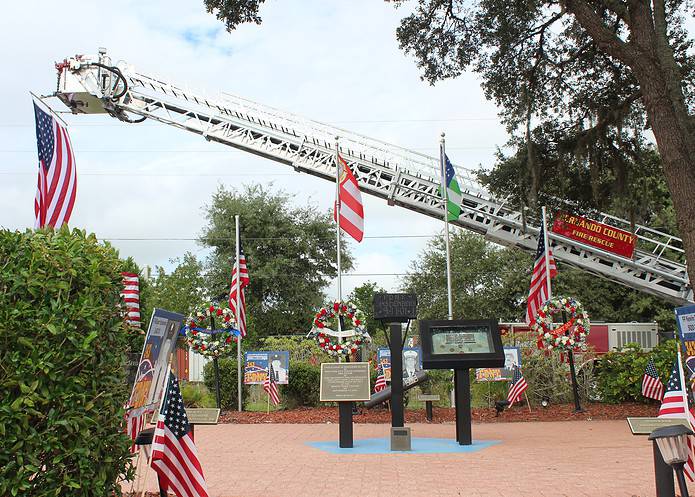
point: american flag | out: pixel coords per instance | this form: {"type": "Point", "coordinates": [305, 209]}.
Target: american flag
{"type": "Point", "coordinates": [675, 405]}
{"type": "Point", "coordinates": [271, 386]}
{"type": "Point", "coordinates": [243, 283]}
{"type": "Point", "coordinates": [174, 455]}
{"type": "Point", "coordinates": [349, 203]}
{"type": "Point", "coordinates": [652, 388]}
{"type": "Point", "coordinates": [539, 291]}
{"type": "Point", "coordinates": [131, 298]}
{"type": "Point", "coordinates": [57, 183]}
{"type": "Point", "coordinates": [380, 382]}
{"type": "Point", "coordinates": [517, 387]}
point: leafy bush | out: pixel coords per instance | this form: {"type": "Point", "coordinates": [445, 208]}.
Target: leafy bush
{"type": "Point", "coordinates": [439, 383]}
{"type": "Point", "coordinates": [299, 347]}
{"type": "Point", "coordinates": [228, 383]}
{"type": "Point", "coordinates": [619, 374]}
{"type": "Point", "coordinates": [63, 351]}
{"type": "Point", "coordinates": [197, 395]}
{"type": "Point", "coordinates": [303, 387]}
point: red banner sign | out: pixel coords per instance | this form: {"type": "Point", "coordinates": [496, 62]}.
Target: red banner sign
{"type": "Point", "coordinates": [596, 234]}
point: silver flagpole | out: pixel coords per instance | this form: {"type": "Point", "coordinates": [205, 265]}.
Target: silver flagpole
{"type": "Point", "coordinates": [337, 232]}
{"type": "Point", "coordinates": [238, 311]}
{"type": "Point", "coordinates": [442, 154]}
{"type": "Point", "coordinates": [547, 251]}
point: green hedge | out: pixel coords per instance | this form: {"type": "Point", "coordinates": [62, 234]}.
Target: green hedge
{"type": "Point", "coordinates": [303, 386]}
{"type": "Point", "coordinates": [619, 374]}
{"type": "Point", "coordinates": [228, 383]}
{"type": "Point", "coordinates": [63, 347]}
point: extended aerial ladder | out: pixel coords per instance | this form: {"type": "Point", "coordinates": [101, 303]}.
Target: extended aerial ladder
{"type": "Point", "coordinates": [402, 177]}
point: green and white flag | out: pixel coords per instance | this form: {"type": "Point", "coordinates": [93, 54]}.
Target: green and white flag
{"type": "Point", "coordinates": [453, 192]}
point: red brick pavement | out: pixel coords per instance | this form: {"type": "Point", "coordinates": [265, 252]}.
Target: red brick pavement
{"type": "Point", "coordinates": [577, 458]}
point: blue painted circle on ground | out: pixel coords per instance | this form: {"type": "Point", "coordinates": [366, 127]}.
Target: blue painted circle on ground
{"type": "Point", "coordinates": [419, 446]}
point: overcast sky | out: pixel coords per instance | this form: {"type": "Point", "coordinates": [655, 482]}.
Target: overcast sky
{"type": "Point", "coordinates": [336, 62]}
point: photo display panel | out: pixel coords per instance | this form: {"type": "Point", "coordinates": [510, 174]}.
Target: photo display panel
{"type": "Point", "coordinates": [461, 344]}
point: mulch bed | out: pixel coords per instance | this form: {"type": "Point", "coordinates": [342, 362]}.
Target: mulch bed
{"type": "Point", "coordinates": [562, 412]}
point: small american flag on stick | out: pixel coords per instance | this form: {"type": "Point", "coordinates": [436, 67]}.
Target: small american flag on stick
{"type": "Point", "coordinates": [271, 386]}
{"type": "Point", "coordinates": [652, 388]}
{"type": "Point", "coordinates": [380, 382]}
{"type": "Point", "coordinates": [517, 387]}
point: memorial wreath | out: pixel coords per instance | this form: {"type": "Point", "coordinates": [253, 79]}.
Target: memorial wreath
{"type": "Point", "coordinates": [207, 341]}
{"type": "Point", "coordinates": [343, 342]}
{"type": "Point", "coordinates": [571, 334]}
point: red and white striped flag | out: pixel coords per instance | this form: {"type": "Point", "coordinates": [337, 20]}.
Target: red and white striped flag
{"type": "Point", "coordinates": [131, 298]}
{"type": "Point", "coordinates": [380, 382]}
{"type": "Point", "coordinates": [135, 422]}
{"type": "Point", "coordinates": [174, 455]}
{"type": "Point", "coordinates": [675, 405]}
{"type": "Point", "coordinates": [271, 386]}
{"type": "Point", "coordinates": [349, 203]}
{"type": "Point", "coordinates": [517, 387]}
{"type": "Point", "coordinates": [539, 292]}
{"type": "Point", "coordinates": [57, 183]}
{"type": "Point", "coordinates": [239, 314]}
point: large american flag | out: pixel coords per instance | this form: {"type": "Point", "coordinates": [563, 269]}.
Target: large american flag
{"type": "Point", "coordinates": [271, 386]}
{"type": "Point", "coordinates": [349, 203]}
{"type": "Point", "coordinates": [174, 455]}
{"type": "Point", "coordinates": [539, 291]}
{"type": "Point", "coordinates": [239, 314]}
{"type": "Point", "coordinates": [675, 405]}
{"type": "Point", "coordinates": [652, 388]}
{"type": "Point", "coordinates": [57, 182]}
{"type": "Point", "coordinates": [380, 382]}
{"type": "Point", "coordinates": [131, 298]}
{"type": "Point", "coordinates": [517, 387]}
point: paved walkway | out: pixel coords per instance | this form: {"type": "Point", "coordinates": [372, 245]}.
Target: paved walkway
{"type": "Point", "coordinates": [578, 458]}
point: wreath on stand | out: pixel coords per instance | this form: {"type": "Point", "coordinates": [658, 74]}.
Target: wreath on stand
{"type": "Point", "coordinates": [570, 335]}
{"type": "Point", "coordinates": [344, 342]}
{"type": "Point", "coordinates": [207, 341]}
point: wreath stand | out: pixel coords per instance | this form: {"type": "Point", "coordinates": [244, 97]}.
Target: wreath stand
{"type": "Point", "coordinates": [573, 373]}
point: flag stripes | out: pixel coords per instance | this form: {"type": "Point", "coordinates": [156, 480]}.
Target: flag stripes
{"type": "Point", "coordinates": [349, 203]}
{"type": "Point", "coordinates": [652, 388]}
{"type": "Point", "coordinates": [380, 382]}
{"type": "Point", "coordinates": [131, 298]}
{"type": "Point", "coordinates": [539, 292]}
{"type": "Point", "coordinates": [239, 314]}
{"type": "Point", "coordinates": [517, 387]}
{"type": "Point", "coordinates": [271, 386]}
{"type": "Point", "coordinates": [56, 187]}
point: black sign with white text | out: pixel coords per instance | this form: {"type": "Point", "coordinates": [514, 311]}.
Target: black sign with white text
{"type": "Point", "coordinates": [395, 307]}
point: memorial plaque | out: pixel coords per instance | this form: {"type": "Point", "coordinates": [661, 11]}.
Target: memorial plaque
{"type": "Point", "coordinates": [196, 416]}
{"type": "Point", "coordinates": [424, 397]}
{"type": "Point", "coordinates": [395, 307]}
{"type": "Point", "coordinates": [344, 381]}
{"type": "Point", "coordinates": [645, 426]}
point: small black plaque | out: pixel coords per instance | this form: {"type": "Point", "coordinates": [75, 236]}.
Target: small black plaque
{"type": "Point", "coordinates": [395, 307]}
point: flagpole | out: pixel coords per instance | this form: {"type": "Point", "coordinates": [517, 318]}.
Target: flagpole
{"type": "Point", "coordinates": [238, 312]}
{"type": "Point", "coordinates": [337, 232]}
{"type": "Point", "coordinates": [442, 155]}
{"type": "Point", "coordinates": [547, 252]}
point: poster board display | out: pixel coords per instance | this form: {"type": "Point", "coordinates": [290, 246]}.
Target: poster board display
{"type": "Point", "coordinates": [412, 361]}
{"type": "Point", "coordinates": [256, 366]}
{"type": "Point", "coordinates": [160, 341]}
{"type": "Point", "coordinates": [685, 319]}
{"type": "Point", "coordinates": [461, 344]}
{"type": "Point", "coordinates": [344, 381]}
{"type": "Point", "coordinates": [512, 357]}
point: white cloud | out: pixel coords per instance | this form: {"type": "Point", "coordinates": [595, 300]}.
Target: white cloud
{"type": "Point", "coordinates": [335, 62]}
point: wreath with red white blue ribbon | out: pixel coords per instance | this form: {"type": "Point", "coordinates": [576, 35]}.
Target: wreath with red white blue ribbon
{"type": "Point", "coordinates": [207, 341]}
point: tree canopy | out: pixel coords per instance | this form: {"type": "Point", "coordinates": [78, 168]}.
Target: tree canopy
{"type": "Point", "coordinates": [290, 252]}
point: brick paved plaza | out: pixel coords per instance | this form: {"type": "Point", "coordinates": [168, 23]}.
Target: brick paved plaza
{"type": "Point", "coordinates": [574, 458]}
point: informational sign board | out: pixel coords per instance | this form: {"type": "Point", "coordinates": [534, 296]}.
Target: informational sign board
{"type": "Point", "coordinates": [461, 344]}
{"type": "Point", "coordinates": [685, 319]}
{"type": "Point", "coordinates": [412, 361]}
{"type": "Point", "coordinates": [512, 357]}
{"type": "Point", "coordinates": [256, 366]}
{"type": "Point", "coordinates": [344, 381]}
{"type": "Point", "coordinates": [645, 426]}
{"type": "Point", "coordinates": [599, 235]}
{"type": "Point", "coordinates": [395, 307]}
{"type": "Point", "coordinates": [152, 369]}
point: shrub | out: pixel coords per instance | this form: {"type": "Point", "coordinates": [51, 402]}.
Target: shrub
{"type": "Point", "coordinates": [619, 374]}
{"type": "Point", "coordinates": [197, 395]}
{"type": "Point", "coordinates": [228, 383]}
{"type": "Point", "coordinates": [303, 387]}
{"type": "Point", "coordinates": [63, 351]}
